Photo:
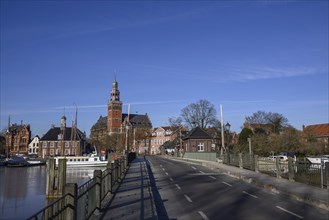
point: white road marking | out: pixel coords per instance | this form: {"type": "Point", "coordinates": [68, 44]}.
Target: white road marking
{"type": "Point", "coordinates": [227, 184]}
{"type": "Point", "coordinates": [178, 187]}
{"type": "Point", "coordinates": [285, 210]}
{"type": "Point", "coordinates": [187, 198]}
{"type": "Point", "coordinates": [212, 177]}
{"type": "Point", "coordinates": [203, 215]}
{"type": "Point", "coordinates": [250, 194]}
{"type": "Point", "coordinates": [163, 169]}
{"type": "Point", "coordinates": [171, 179]}
{"type": "Point", "coordinates": [201, 172]}
{"type": "Point", "coordinates": [194, 168]}
{"type": "Point", "coordinates": [166, 173]}
{"type": "Point", "coordinates": [160, 165]}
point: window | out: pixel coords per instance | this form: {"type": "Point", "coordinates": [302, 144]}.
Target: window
{"type": "Point", "coordinates": [200, 147]}
{"type": "Point", "coordinates": [44, 144]}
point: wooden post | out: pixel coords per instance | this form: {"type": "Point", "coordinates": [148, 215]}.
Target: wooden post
{"type": "Point", "coordinates": [109, 160]}
{"type": "Point", "coordinates": [240, 161]}
{"type": "Point", "coordinates": [256, 164]}
{"type": "Point", "coordinates": [112, 176]}
{"type": "Point", "coordinates": [56, 178]}
{"type": "Point", "coordinates": [278, 168]}
{"type": "Point", "coordinates": [50, 178]}
{"type": "Point", "coordinates": [291, 170]}
{"type": "Point", "coordinates": [71, 201]}
{"type": "Point", "coordinates": [61, 176]}
{"type": "Point", "coordinates": [98, 179]}
{"type": "Point", "coordinates": [326, 172]}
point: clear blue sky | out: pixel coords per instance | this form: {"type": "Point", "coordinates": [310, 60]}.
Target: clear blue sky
{"type": "Point", "coordinates": [245, 55]}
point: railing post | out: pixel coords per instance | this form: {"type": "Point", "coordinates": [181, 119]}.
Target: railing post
{"type": "Point", "coordinates": [120, 168]}
{"type": "Point", "coordinates": [291, 170]}
{"type": "Point", "coordinates": [111, 175]}
{"type": "Point", "coordinates": [98, 179]}
{"type": "Point", "coordinates": [125, 162]}
{"type": "Point", "coordinates": [71, 201]}
{"type": "Point", "coordinates": [278, 168]}
{"type": "Point", "coordinates": [326, 172]}
{"type": "Point", "coordinates": [256, 162]}
{"type": "Point", "coordinates": [115, 171]}
{"type": "Point", "coordinates": [240, 161]}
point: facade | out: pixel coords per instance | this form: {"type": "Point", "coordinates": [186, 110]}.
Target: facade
{"type": "Point", "coordinates": [62, 141]}
{"type": "Point", "coordinates": [162, 135]}
{"type": "Point", "coordinates": [17, 139]}
{"type": "Point", "coordinates": [34, 145]}
{"type": "Point", "coordinates": [122, 129]}
{"type": "Point", "coordinates": [319, 132]}
{"type": "Point", "coordinates": [198, 140]}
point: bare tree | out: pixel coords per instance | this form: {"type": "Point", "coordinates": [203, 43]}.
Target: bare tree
{"type": "Point", "coordinates": [201, 114]}
{"type": "Point", "coordinates": [274, 122]}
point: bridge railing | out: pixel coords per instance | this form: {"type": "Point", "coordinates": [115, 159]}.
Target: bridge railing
{"type": "Point", "coordinates": [81, 202]}
{"type": "Point", "coordinates": [293, 170]}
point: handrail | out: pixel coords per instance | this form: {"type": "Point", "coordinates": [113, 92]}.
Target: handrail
{"type": "Point", "coordinates": [87, 197]}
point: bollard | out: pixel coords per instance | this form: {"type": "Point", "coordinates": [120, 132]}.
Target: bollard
{"type": "Point", "coordinates": [256, 164]}
{"type": "Point", "coordinates": [71, 201]}
{"type": "Point", "coordinates": [98, 179]}
{"type": "Point", "coordinates": [291, 170]}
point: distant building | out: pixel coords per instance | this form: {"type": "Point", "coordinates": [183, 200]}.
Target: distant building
{"type": "Point", "coordinates": [318, 132]}
{"type": "Point", "coordinates": [61, 141]}
{"type": "Point", "coordinates": [116, 124]}
{"type": "Point", "coordinates": [34, 145]}
{"type": "Point", "coordinates": [17, 139]}
{"type": "Point", "coordinates": [162, 136]}
{"type": "Point", "coordinates": [198, 140]}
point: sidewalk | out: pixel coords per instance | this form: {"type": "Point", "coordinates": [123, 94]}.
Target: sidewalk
{"type": "Point", "coordinates": [133, 198]}
{"type": "Point", "coordinates": [312, 195]}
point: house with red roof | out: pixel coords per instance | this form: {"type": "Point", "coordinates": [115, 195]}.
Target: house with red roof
{"type": "Point", "coordinates": [318, 132]}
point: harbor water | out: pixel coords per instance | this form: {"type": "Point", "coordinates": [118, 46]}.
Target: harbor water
{"type": "Point", "coordinates": [23, 189]}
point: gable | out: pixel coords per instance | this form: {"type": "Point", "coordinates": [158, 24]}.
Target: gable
{"type": "Point", "coordinates": [197, 133]}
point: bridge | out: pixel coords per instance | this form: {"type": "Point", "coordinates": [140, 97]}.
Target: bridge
{"type": "Point", "coordinates": [143, 188]}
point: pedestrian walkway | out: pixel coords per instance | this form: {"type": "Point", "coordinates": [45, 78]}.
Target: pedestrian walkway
{"type": "Point", "coordinates": [133, 198]}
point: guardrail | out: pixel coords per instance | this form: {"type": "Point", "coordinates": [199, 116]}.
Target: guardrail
{"type": "Point", "coordinates": [80, 202]}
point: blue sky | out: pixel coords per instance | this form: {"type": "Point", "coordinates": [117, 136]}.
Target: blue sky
{"type": "Point", "coordinates": [245, 55]}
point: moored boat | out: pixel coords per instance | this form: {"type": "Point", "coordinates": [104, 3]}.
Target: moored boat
{"type": "Point", "coordinates": [21, 161]}
{"type": "Point", "coordinates": [17, 161]}
{"type": "Point", "coordinates": [318, 160]}
{"type": "Point", "coordinates": [82, 161]}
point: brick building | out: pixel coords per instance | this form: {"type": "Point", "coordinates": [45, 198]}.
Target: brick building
{"type": "Point", "coordinates": [61, 141]}
{"type": "Point", "coordinates": [17, 139]}
{"type": "Point", "coordinates": [116, 125]}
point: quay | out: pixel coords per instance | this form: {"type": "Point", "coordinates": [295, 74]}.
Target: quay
{"type": "Point", "coordinates": [128, 191]}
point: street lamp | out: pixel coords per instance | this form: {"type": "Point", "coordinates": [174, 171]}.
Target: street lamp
{"type": "Point", "coordinates": [227, 127]}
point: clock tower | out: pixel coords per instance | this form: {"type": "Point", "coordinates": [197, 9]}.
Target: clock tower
{"type": "Point", "coordinates": [114, 110]}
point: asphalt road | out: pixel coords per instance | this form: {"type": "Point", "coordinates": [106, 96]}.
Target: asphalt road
{"type": "Point", "coordinates": [191, 191]}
